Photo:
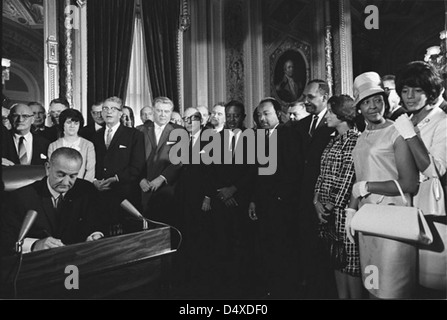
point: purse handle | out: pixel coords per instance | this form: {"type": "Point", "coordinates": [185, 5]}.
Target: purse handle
{"type": "Point", "coordinates": [400, 191]}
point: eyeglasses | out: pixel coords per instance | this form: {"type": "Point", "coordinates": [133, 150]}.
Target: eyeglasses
{"type": "Point", "coordinates": [192, 118]}
{"type": "Point", "coordinates": [96, 113]}
{"type": "Point", "coordinates": [106, 109]}
{"type": "Point", "coordinates": [24, 116]}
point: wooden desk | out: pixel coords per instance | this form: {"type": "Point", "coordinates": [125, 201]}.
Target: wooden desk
{"type": "Point", "coordinates": [132, 265]}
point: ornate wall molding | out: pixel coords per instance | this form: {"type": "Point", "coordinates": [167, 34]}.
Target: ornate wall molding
{"type": "Point", "coordinates": [345, 47]}
{"type": "Point", "coordinates": [68, 57]}
{"type": "Point", "coordinates": [51, 70]}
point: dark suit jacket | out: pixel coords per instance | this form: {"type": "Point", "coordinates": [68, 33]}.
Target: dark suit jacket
{"type": "Point", "coordinates": [49, 133]}
{"type": "Point", "coordinates": [313, 148]}
{"type": "Point", "coordinates": [284, 184]}
{"type": "Point", "coordinates": [40, 150]}
{"type": "Point", "coordinates": [88, 132]}
{"type": "Point", "coordinates": [124, 157]}
{"type": "Point", "coordinates": [77, 220]}
{"type": "Point", "coordinates": [242, 176]}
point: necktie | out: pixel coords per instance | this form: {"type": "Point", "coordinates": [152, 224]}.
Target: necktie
{"type": "Point", "coordinates": [313, 125]}
{"type": "Point", "coordinates": [233, 144]}
{"type": "Point", "coordinates": [109, 138]}
{"type": "Point", "coordinates": [157, 133]}
{"type": "Point", "coordinates": [22, 151]}
{"type": "Point", "coordinates": [58, 216]}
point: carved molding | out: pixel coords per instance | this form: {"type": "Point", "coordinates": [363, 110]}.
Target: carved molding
{"type": "Point", "coordinates": [68, 57]}
{"type": "Point", "coordinates": [346, 72]}
{"type": "Point", "coordinates": [51, 71]}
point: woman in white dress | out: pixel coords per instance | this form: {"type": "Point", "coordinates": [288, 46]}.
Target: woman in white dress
{"type": "Point", "coordinates": [381, 156]}
{"type": "Point", "coordinates": [70, 120]}
{"type": "Point", "coordinates": [425, 132]}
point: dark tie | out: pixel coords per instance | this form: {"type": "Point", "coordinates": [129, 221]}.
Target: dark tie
{"type": "Point", "coordinates": [22, 150]}
{"type": "Point", "coordinates": [313, 125]}
{"type": "Point", "coordinates": [58, 206]}
{"type": "Point", "coordinates": [233, 144]}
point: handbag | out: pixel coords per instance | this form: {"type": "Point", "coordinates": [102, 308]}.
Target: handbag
{"type": "Point", "coordinates": [394, 222]}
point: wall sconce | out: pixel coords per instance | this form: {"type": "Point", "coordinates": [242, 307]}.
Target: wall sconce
{"type": "Point", "coordinates": [6, 64]}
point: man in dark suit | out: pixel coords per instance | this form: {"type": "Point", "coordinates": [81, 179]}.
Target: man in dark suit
{"type": "Point", "coordinates": [316, 135]}
{"type": "Point", "coordinates": [275, 204]}
{"type": "Point", "coordinates": [229, 186]}
{"type": "Point", "coordinates": [65, 206]}
{"type": "Point", "coordinates": [160, 175]}
{"type": "Point", "coordinates": [119, 161]}
{"type": "Point", "coordinates": [39, 127]}
{"type": "Point", "coordinates": [98, 122]}
{"type": "Point", "coordinates": [27, 148]}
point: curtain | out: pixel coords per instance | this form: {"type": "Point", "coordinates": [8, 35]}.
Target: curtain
{"type": "Point", "coordinates": [110, 34]}
{"type": "Point", "coordinates": [160, 23]}
{"type": "Point", "coordinates": [138, 90]}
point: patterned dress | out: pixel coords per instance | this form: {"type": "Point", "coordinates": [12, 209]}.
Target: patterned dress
{"type": "Point", "coordinates": [334, 186]}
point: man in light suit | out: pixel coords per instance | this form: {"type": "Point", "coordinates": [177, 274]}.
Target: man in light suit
{"type": "Point", "coordinates": [28, 148]}
{"type": "Point", "coordinates": [119, 160]}
{"type": "Point", "coordinates": [316, 135]}
{"type": "Point", "coordinates": [159, 176]}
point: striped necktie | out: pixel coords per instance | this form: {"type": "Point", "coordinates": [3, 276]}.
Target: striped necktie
{"type": "Point", "coordinates": [109, 138]}
{"type": "Point", "coordinates": [22, 151]}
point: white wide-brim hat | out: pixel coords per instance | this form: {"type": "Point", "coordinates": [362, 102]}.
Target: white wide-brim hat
{"type": "Point", "coordinates": [366, 85]}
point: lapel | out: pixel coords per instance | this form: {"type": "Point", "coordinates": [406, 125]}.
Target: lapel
{"type": "Point", "coordinates": [164, 136]}
{"type": "Point", "coordinates": [47, 205]}
{"type": "Point", "coordinates": [35, 156]}
{"type": "Point", "coordinates": [150, 142]}
{"type": "Point", "coordinates": [323, 122]}
{"type": "Point", "coordinates": [116, 136]}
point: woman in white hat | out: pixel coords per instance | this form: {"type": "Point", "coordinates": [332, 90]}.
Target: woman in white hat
{"type": "Point", "coordinates": [381, 156]}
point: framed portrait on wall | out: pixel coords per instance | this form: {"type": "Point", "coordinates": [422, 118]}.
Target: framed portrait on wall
{"type": "Point", "coordinates": [289, 71]}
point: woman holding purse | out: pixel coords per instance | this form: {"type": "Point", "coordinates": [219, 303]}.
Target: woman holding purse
{"type": "Point", "coordinates": [425, 132]}
{"type": "Point", "coordinates": [332, 194]}
{"type": "Point", "coordinates": [382, 158]}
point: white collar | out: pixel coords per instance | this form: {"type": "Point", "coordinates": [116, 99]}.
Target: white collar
{"type": "Point", "coordinates": [27, 136]}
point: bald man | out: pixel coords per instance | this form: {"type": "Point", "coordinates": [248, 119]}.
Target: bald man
{"type": "Point", "coordinates": [28, 148]}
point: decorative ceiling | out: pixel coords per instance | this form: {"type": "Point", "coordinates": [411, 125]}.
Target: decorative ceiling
{"type": "Point", "coordinates": [28, 13]}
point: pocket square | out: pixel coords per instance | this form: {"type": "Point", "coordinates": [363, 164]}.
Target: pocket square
{"type": "Point", "coordinates": [42, 156]}
{"type": "Point", "coordinates": [122, 147]}
{"type": "Point", "coordinates": [170, 142]}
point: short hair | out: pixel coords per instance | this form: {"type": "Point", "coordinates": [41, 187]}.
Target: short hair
{"type": "Point", "coordinates": [61, 101]}
{"type": "Point", "coordinates": [116, 100]}
{"type": "Point", "coordinates": [422, 75]}
{"type": "Point", "coordinates": [35, 103]}
{"type": "Point", "coordinates": [98, 103]}
{"type": "Point", "coordinates": [235, 103]}
{"type": "Point", "coordinates": [274, 102]}
{"type": "Point", "coordinates": [323, 87]}
{"type": "Point", "coordinates": [150, 107]}
{"type": "Point", "coordinates": [343, 107]}
{"type": "Point", "coordinates": [65, 152]}
{"type": "Point", "coordinates": [388, 77]}
{"type": "Point", "coordinates": [72, 114]}
{"type": "Point", "coordinates": [221, 103]}
{"type": "Point", "coordinates": [15, 106]}
{"type": "Point", "coordinates": [164, 100]}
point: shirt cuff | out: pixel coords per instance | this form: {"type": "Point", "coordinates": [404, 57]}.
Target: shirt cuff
{"type": "Point", "coordinates": [117, 179]}
{"type": "Point", "coordinates": [165, 180]}
{"type": "Point", "coordinates": [96, 233]}
{"type": "Point", "coordinates": [28, 244]}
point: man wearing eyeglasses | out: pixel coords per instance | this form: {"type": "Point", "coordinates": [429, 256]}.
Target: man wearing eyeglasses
{"type": "Point", "coordinates": [98, 122]}
{"type": "Point", "coordinates": [56, 107]}
{"type": "Point", "coordinates": [28, 147]}
{"type": "Point", "coordinates": [119, 161]}
{"type": "Point", "coordinates": [159, 177]}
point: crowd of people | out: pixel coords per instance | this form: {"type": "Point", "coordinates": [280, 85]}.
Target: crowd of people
{"type": "Point", "coordinates": [285, 235]}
